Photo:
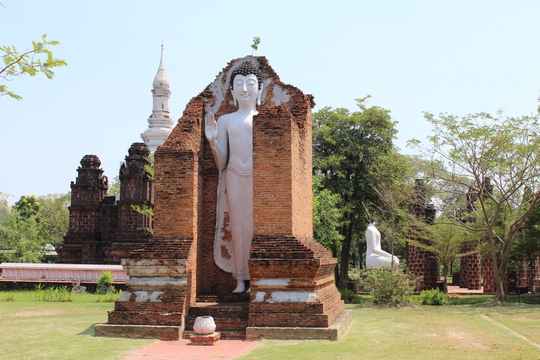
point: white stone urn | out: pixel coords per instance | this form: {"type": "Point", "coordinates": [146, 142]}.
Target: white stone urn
{"type": "Point", "coordinates": [204, 325]}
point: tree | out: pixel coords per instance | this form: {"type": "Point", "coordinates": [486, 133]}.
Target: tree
{"type": "Point", "coordinates": [348, 155]}
{"type": "Point", "coordinates": [392, 211]}
{"type": "Point", "coordinates": [4, 204]}
{"type": "Point", "coordinates": [20, 239]}
{"type": "Point", "coordinates": [114, 187]}
{"type": "Point", "coordinates": [53, 217]}
{"type": "Point", "coordinates": [37, 59]}
{"type": "Point", "coordinates": [492, 161]}
{"type": "Point", "coordinates": [327, 217]}
{"type": "Point", "coordinates": [32, 223]}
{"type": "Point", "coordinates": [27, 206]}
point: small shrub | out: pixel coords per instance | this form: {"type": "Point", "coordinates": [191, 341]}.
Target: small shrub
{"type": "Point", "coordinates": [350, 297]}
{"type": "Point", "coordinates": [105, 281]}
{"type": "Point", "coordinates": [52, 294]}
{"type": "Point", "coordinates": [40, 292]}
{"type": "Point", "coordinates": [9, 297]}
{"type": "Point", "coordinates": [109, 297]}
{"type": "Point", "coordinates": [432, 297]}
{"type": "Point", "coordinates": [387, 286]}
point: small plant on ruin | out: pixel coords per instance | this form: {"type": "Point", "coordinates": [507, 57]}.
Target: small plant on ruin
{"type": "Point", "coordinates": [388, 286]}
{"type": "Point", "coordinates": [145, 209]}
{"type": "Point", "coordinates": [255, 45]}
{"type": "Point", "coordinates": [105, 281]}
{"type": "Point", "coordinates": [432, 297]}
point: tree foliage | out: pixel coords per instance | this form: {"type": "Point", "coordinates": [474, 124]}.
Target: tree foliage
{"type": "Point", "coordinates": [492, 161]}
{"type": "Point", "coordinates": [30, 224]}
{"type": "Point", "coordinates": [34, 60]}
{"type": "Point", "coordinates": [327, 217]}
{"type": "Point", "coordinates": [114, 187]}
{"type": "Point", "coordinates": [396, 197]}
{"type": "Point", "coordinates": [27, 206]}
{"type": "Point", "coordinates": [349, 152]}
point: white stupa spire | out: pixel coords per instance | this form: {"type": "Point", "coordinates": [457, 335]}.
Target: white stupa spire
{"type": "Point", "coordinates": [160, 123]}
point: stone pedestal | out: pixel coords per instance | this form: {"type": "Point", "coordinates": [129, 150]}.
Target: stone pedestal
{"type": "Point", "coordinates": [208, 339]}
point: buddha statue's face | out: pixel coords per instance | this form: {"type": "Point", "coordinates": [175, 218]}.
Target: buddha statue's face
{"type": "Point", "coordinates": [246, 89]}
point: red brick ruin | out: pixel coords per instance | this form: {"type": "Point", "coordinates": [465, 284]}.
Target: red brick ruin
{"type": "Point", "coordinates": [102, 230]}
{"type": "Point", "coordinates": [173, 277]}
{"type": "Point", "coordinates": [421, 263]}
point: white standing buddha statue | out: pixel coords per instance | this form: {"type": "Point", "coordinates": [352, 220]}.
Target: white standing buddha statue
{"type": "Point", "coordinates": [376, 258]}
{"type": "Point", "coordinates": [231, 140]}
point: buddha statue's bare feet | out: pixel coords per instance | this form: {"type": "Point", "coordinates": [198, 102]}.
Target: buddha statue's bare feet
{"type": "Point", "coordinates": [240, 287]}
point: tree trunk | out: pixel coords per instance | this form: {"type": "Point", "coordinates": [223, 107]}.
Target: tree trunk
{"type": "Point", "coordinates": [530, 276]}
{"type": "Point", "coordinates": [345, 257]}
{"type": "Point", "coordinates": [445, 285]}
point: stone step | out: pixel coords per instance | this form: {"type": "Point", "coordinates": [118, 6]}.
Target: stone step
{"type": "Point", "coordinates": [231, 318]}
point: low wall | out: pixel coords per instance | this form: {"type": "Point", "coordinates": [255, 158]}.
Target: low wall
{"type": "Point", "coordinates": [60, 272]}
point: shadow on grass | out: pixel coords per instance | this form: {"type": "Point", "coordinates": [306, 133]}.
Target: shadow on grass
{"type": "Point", "coordinates": [88, 332]}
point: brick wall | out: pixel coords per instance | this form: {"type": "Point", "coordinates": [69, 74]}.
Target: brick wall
{"type": "Point", "coordinates": [470, 270]}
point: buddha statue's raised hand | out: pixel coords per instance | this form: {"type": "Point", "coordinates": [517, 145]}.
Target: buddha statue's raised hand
{"type": "Point", "coordinates": [210, 127]}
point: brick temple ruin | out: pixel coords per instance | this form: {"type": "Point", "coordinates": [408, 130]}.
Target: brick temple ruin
{"type": "Point", "coordinates": [476, 271]}
{"type": "Point", "coordinates": [103, 230]}
{"type": "Point", "coordinates": [173, 276]}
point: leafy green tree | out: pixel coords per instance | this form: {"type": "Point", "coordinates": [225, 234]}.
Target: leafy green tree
{"type": "Point", "coordinates": [20, 239]}
{"type": "Point", "coordinates": [53, 217]}
{"type": "Point", "coordinates": [114, 187]}
{"type": "Point", "coordinates": [36, 59]}
{"type": "Point", "coordinates": [327, 217]}
{"type": "Point", "coordinates": [492, 160]}
{"type": "Point", "coordinates": [32, 223]}
{"type": "Point", "coordinates": [27, 206]}
{"type": "Point", "coordinates": [4, 204]}
{"type": "Point", "coordinates": [396, 196]}
{"type": "Point", "coordinates": [349, 149]}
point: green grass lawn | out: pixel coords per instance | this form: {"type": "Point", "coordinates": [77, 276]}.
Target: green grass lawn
{"type": "Point", "coordinates": [32, 329]}
{"type": "Point", "coordinates": [478, 330]}
{"type": "Point", "coordinates": [423, 332]}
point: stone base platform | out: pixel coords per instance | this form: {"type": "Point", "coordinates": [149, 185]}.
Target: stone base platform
{"type": "Point", "coordinates": [164, 333]}
{"type": "Point", "coordinates": [209, 339]}
{"type": "Point", "coordinates": [334, 332]}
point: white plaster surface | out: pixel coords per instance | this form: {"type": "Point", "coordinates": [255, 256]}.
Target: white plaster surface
{"type": "Point", "coordinates": [280, 95]}
{"type": "Point", "coordinates": [287, 296]}
{"type": "Point", "coordinates": [125, 296]}
{"type": "Point", "coordinates": [259, 296]}
{"type": "Point", "coordinates": [156, 282]}
{"type": "Point", "coordinates": [272, 283]}
{"type": "Point", "coordinates": [148, 296]}
{"type": "Point", "coordinates": [155, 268]}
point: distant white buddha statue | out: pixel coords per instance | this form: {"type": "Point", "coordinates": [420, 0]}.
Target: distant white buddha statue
{"type": "Point", "coordinates": [376, 258]}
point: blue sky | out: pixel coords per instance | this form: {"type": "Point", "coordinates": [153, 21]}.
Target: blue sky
{"type": "Point", "coordinates": [457, 57]}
